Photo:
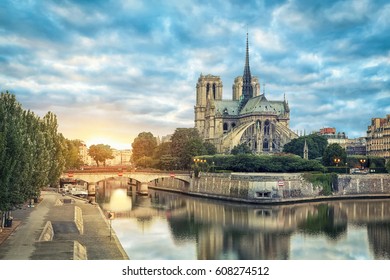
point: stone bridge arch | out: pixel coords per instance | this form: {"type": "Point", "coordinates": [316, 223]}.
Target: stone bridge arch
{"type": "Point", "coordinates": [143, 177]}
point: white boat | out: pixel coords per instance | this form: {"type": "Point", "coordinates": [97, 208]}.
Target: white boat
{"type": "Point", "coordinates": [78, 192]}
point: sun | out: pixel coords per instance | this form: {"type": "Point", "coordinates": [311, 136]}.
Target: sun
{"type": "Point", "coordinates": [113, 143]}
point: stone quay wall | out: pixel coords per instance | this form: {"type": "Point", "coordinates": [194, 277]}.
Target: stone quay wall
{"type": "Point", "coordinates": [364, 184]}
{"type": "Point", "coordinates": [274, 187]}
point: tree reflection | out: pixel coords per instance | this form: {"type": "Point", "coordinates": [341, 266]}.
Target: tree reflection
{"type": "Point", "coordinates": [184, 229]}
{"type": "Point", "coordinates": [325, 221]}
{"type": "Point", "coordinates": [378, 237]}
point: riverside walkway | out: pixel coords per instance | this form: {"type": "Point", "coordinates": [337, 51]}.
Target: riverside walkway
{"type": "Point", "coordinates": [60, 228]}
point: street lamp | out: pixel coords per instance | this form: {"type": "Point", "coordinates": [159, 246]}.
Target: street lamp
{"type": "Point", "coordinates": [337, 161]}
{"type": "Point", "coordinates": [196, 168]}
{"type": "Point", "coordinates": [362, 161]}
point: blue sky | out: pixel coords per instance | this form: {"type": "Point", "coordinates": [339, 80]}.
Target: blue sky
{"type": "Point", "coordinates": [112, 69]}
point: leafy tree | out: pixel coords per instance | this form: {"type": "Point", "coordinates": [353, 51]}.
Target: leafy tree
{"type": "Point", "coordinates": [262, 163]}
{"type": "Point", "coordinates": [143, 145]}
{"type": "Point", "coordinates": [71, 154]}
{"type": "Point", "coordinates": [375, 162]}
{"type": "Point", "coordinates": [167, 162]}
{"type": "Point", "coordinates": [388, 166]}
{"type": "Point", "coordinates": [31, 153]}
{"type": "Point", "coordinates": [332, 152]}
{"type": "Point", "coordinates": [241, 149]}
{"type": "Point", "coordinates": [164, 149]}
{"type": "Point", "coordinates": [145, 162]}
{"type": "Point", "coordinates": [56, 146]}
{"type": "Point", "coordinates": [315, 143]}
{"type": "Point", "coordinates": [186, 143]}
{"type": "Point", "coordinates": [100, 153]}
{"type": "Point", "coordinates": [210, 149]}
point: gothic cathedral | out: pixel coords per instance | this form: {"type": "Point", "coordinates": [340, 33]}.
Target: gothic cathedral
{"type": "Point", "coordinates": [250, 118]}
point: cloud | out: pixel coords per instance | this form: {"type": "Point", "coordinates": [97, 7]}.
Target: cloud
{"type": "Point", "coordinates": [123, 67]}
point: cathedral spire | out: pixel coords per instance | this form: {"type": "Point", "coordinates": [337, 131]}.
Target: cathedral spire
{"type": "Point", "coordinates": [305, 151]}
{"type": "Point", "coordinates": [247, 90]}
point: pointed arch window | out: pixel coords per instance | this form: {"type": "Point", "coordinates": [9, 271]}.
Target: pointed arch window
{"type": "Point", "coordinates": [225, 127]}
{"type": "Point", "coordinates": [266, 127]}
{"type": "Point", "coordinates": [265, 144]}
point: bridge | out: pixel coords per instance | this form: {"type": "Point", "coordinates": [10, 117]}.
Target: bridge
{"type": "Point", "coordinates": [143, 178]}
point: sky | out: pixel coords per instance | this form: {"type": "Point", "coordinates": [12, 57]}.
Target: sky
{"type": "Point", "coordinates": [110, 70]}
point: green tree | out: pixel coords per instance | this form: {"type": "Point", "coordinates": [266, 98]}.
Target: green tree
{"type": "Point", "coordinates": [164, 149]}
{"type": "Point", "coordinates": [145, 162]}
{"type": "Point", "coordinates": [143, 146]}
{"type": "Point", "coordinates": [315, 143]}
{"type": "Point", "coordinates": [167, 162]}
{"type": "Point", "coordinates": [186, 143]}
{"type": "Point", "coordinates": [56, 145]}
{"type": "Point", "coordinates": [71, 154]}
{"type": "Point", "coordinates": [31, 153]}
{"type": "Point", "coordinates": [388, 166]}
{"type": "Point", "coordinates": [241, 149]}
{"type": "Point", "coordinates": [100, 153]}
{"type": "Point", "coordinates": [332, 152]}
{"type": "Point", "coordinates": [210, 149]}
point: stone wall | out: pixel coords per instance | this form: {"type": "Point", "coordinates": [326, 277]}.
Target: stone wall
{"type": "Point", "coordinates": [364, 184]}
{"type": "Point", "coordinates": [256, 187]}
{"type": "Point", "coordinates": [272, 187]}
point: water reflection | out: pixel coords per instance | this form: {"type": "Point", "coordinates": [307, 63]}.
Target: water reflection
{"type": "Point", "coordinates": [167, 225]}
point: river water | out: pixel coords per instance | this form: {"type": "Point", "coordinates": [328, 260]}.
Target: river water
{"type": "Point", "coordinates": [169, 226]}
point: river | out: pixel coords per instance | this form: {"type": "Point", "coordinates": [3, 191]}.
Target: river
{"type": "Point", "coordinates": [171, 226]}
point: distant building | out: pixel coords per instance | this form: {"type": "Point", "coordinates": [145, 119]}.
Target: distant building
{"type": "Point", "coordinates": [330, 134]}
{"type": "Point", "coordinates": [83, 153]}
{"type": "Point", "coordinates": [164, 139]}
{"type": "Point", "coordinates": [356, 146]}
{"type": "Point", "coordinates": [121, 157]}
{"type": "Point", "coordinates": [327, 131]}
{"type": "Point", "coordinates": [378, 137]}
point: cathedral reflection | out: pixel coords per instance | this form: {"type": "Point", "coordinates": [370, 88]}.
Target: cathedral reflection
{"type": "Point", "coordinates": [224, 230]}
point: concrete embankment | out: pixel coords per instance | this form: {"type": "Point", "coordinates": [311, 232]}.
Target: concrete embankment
{"type": "Point", "coordinates": [62, 228]}
{"type": "Point", "coordinates": [273, 188]}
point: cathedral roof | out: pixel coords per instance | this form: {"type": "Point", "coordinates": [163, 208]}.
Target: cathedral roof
{"type": "Point", "coordinates": [257, 104]}
{"type": "Point", "coordinates": [260, 104]}
{"type": "Point", "coordinates": [226, 107]}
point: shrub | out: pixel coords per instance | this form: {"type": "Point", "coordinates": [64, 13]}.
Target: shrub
{"type": "Point", "coordinates": [325, 181]}
{"type": "Point", "coordinates": [261, 163]}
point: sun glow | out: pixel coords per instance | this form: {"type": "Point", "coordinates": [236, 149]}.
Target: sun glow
{"type": "Point", "coordinates": [113, 143]}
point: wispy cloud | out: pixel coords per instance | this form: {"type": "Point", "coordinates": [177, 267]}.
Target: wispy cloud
{"type": "Point", "coordinates": [116, 68]}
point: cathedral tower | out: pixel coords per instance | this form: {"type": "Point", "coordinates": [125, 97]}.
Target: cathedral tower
{"type": "Point", "coordinates": [208, 90]}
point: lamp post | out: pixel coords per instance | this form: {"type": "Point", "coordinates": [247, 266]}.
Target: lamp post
{"type": "Point", "coordinates": [196, 168]}
{"type": "Point", "coordinates": [337, 161]}
{"type": "Point", "coordinates": [362, 162]}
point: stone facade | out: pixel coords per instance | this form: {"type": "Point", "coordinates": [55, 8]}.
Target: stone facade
{"type": "Point", "coordinates": [378, 137]}
{"type": "Point", "coordinates": [248, 118]}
